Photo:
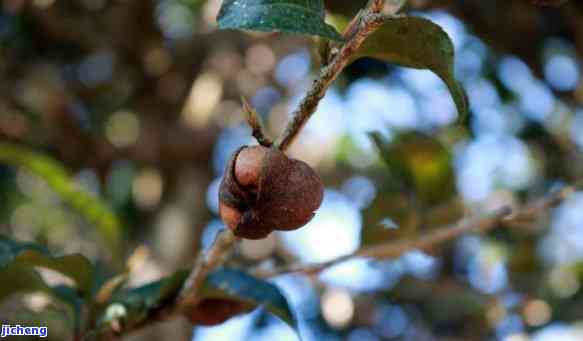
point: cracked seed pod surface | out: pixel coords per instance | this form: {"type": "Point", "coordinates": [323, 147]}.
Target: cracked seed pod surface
{"type": "Point", "coordinates": [264, 190]}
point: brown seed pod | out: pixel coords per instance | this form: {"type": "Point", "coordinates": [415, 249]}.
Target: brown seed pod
{"type": "Point", "coordinates": [264, 190]}
{"type": "Point", "coordinates": [213, 311]}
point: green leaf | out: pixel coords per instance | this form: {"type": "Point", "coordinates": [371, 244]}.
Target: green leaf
{"type": "Point", "coordinates": [421, 163]}
{"type": "Point", "coordinates": [75, 266]}
{"type": "Point", "coordinates": [19, 279]}
{"type": "Point", "coordinates": [417, 43]}
{"type": "Point", "coordinates": [152, 295]}
{"type": "Point", "coordinates": [24, 279]}
{"type": "Point", "coordinates": [70, 192]}
{"type": "Point", "coordinates": [134, 305]}
{"type": "Point", "coordinates": [394, 160]}
{"type": "Point", "coordinates": [238, 285]}
{"type": "Point", "coordinates": [288, 16]}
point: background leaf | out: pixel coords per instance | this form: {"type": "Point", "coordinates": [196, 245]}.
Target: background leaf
{"type": "Point", "coordinates": [419, 193]}
{"type": "Point", "coordinates": [19, 279]}
{"type": "Point", "coordinates": [75, 266]}
{"type": "Point", "coordinates": [417, 43]}
{"type": "Point", "coordinates": [421, 163]}
{"type": "Point", "coordinates": [288, 16]}
{"type": "Point", "coordinates": [70, 192]}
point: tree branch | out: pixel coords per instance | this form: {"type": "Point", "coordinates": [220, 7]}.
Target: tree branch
{"type": "Point", "coordinates": [397, 248]}
{"type": "Point", "coordinates": [205, 264]}
{"type": "Point", "coordinates": [364, 24]}
{"type": "Point", "coordinates": [225, 241]}
{"type": "Point", "coordinates": [185, 300]}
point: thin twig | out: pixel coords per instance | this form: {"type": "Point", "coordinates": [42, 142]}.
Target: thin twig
{"type": "Point", "coordinates": [389, 250]}
{"type": "Point", "coordinates": [205, 264]}
{"type": "Point", "coordinates": [225, 241]}
{"type": "Point", "coordinates": [254, 121]}
{"type": "Point", "coordinates": [365, 23]}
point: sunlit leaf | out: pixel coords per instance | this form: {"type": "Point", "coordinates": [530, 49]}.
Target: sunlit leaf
{"type": "Point", "coordinates": [422, 163]}
{"type": "Point", "coordinates": [70, 192]}
{"type": "Point", "coordinates": [417, 43]}
{"type": "Point", "coordinates": [288, 16]}
{"type": "Point", "coordinates": [389, 217]}
{"type": "Point", "coordinates": [338, 21]}
{"type": "Point", "coordinates": [418, 191]}
{"type": "Point", "coordinates": [75, 266]}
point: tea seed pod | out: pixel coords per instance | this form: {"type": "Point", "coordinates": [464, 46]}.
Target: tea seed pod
{"type": "Point", "coordinates": [264, 190]}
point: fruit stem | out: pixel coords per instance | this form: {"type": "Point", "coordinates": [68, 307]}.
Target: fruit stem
{"type": "Point", "coordinates": [254, 121]}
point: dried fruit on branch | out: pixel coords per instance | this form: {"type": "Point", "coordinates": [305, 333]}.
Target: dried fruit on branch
{"type": "Point", "coordinates": [264, 190]}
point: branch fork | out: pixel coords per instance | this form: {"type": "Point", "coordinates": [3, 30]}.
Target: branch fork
{"type": "Point", "coordinates": [364, 24]}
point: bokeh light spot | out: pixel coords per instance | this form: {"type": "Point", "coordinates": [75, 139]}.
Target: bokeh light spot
{"type": "Point", "coordinates": [337, 307]}
{"type": "Point", "coordinates": [122, 129]}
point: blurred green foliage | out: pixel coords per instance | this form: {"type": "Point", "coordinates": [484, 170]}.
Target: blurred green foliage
{"type": "Point", "coordinates": [143, 97]}
{"type": "Point", "coordinates": [49, 170]}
